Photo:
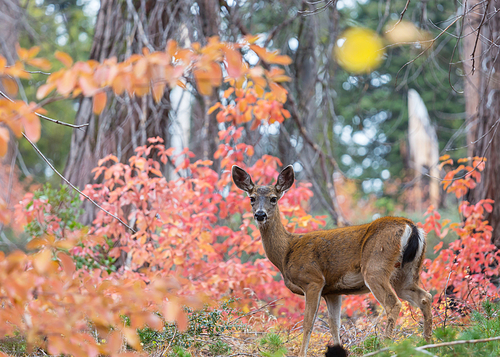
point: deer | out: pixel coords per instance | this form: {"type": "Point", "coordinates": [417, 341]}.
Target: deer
{"type": "Point", "coordinates": [383, 257]}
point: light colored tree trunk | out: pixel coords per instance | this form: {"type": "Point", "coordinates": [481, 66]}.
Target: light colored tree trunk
{"type": "Point", "coordinates": [485, 131]}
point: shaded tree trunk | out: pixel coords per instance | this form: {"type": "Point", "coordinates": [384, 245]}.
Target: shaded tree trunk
{"type": "Point", "coordinates": [9, 33]}
{"type": "Point", "coordinates": [485, 76]}
{"type": "Point", "coordinates": [122, 28]}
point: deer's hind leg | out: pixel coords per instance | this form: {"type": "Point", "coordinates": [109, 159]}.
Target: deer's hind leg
{"type": "Point", "coordinates": [386, 296]}
{"type": "Point", "coordinates": [377, 270]}
{"type": "Point", "coordinates": [420, 298]}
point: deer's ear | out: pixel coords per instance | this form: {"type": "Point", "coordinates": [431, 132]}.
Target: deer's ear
{"type": "Point", "coordinates": [285, 179]}
{"type": "Point", "coordinates": [242, 179]}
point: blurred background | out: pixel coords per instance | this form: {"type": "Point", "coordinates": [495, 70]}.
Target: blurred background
{"type": "Point", "coordinates": [376, 97]}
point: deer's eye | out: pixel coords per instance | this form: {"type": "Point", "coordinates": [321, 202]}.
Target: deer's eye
{"type": "Point", "coordinates": [252, 199]}
{"type": "Point", "coordinates": [274, 200]}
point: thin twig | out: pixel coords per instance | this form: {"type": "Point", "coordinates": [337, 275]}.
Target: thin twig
{"type": "Point", "coordinates": [437, 345]}
{"type": "Point", "coordinates": [73, 186]}
{"type": "Point", "coordinates": [46, 117]}
{"type": "Point", "coordinates": [428, 47]}
{"type": "Point", "coordinates": [400, 16]}
{"type": "Point", "coordinates": [459, 342]}
{"type": "Point", "coordinates": [473, 67]}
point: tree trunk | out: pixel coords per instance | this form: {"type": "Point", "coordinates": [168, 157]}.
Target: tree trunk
{"type": "Point", "coordinates": [487, 141]}
{"type": "Point", "coordinates": [122, 28]}
{"type": "Point", "coordinates": [9, 32]}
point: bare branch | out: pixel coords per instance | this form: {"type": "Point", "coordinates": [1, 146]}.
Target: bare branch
{"type": "Point", "coordinates": [45, 117]}
{"type": "Point", "coordinates": [473, 67]}
{"type": "Point", "coordinates": [317, 10]}
{"type": "Point", "coordinates": [73, 187]}
{"type": "Point", "coordinates": [400, 16]}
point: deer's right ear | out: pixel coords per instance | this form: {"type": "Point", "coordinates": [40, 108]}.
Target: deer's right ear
{"type": "Point", "coordinates": [242, 179]}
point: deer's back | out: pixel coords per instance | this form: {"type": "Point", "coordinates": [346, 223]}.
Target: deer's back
{"type": "Point", "coordinates": [337, 255]}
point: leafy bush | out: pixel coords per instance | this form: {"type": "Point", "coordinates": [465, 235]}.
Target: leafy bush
{"type": "Point", "coordinates": [205, 328]}
{"type": "Point", "coordinates": [51, 211]}
{"type": "Point", "coordinates": [272, 346]}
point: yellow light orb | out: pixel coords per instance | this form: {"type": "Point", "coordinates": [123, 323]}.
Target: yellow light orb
{"type": "Point", "coordinates": [359, 50]}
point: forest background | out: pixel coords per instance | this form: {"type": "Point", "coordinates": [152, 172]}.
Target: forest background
{"type": "Point", "coordinates": [203, 78]}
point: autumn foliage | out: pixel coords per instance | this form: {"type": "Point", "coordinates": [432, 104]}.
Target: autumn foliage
{"type": "Point", "coordinates": [195, 240]}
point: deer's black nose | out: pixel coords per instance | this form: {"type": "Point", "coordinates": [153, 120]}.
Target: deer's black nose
{"type": "Point", "coordinates": [260, 216]}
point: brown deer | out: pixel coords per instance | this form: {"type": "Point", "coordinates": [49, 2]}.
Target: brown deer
{"type": "Point", "coordinates": [384, 257]}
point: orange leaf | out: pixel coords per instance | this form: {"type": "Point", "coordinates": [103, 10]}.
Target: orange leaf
{"type": "Point", "coordinates": [22, 53]}
{"type": "Point", "coordinates": [32, 126]}
{"type": "Point", "coordinates": [36, 243]}
{"type": "Point", "coordinates": [279, 91]}
{"type": "Point", "coordinates": [87, 84]}
{"type": "Point", "coordinates": [33, 51]}
{"type": "Point", "coordinates": [158, 90]}
{"type": "Point", "coordinates": [67, 263]}
{"type": "Point", "coordinates": [99, 102]}
{"type": "Point", "coordinates": [4, 141]}
{"type": "Point", "coordinates": [214, 107]}
{"type": "Point", "coordinates": [64, 58]}
{"type": "Point", "coordinates": [203, 82]}
{"type": "Point", "coordinates": [45, 89]}
{"type": "Point", "coordinates": [234, 62]}
{"type": "Point", "coordinates": [132, 338]}
{"type": "Point", "coordinates": [42, 63]}
{"type": "Point", "coordinates": [228, 92]}
{"type": "Point", "coordinates": [10, 86]}
{"type": "Point", "coordinates": [67, 82]}
{"type": "Point", "coordinates": [42, 261]}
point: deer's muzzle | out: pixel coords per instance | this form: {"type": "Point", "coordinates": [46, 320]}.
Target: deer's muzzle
{"type": "Point", "coordinates": [260, 216]}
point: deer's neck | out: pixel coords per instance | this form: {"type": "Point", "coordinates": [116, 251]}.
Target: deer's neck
{"type": "Point", "coordinates": [276, 240]}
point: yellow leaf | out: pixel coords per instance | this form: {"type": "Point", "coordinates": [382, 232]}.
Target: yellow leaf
{"type": "Point", "coordinates": [359, 50]}
{"type": "Point", "coordinates": [444, 157]}
{"type": "Point", "coordinates": [99, 102]}
{"type": "Point", "coordinates": [64, 58]}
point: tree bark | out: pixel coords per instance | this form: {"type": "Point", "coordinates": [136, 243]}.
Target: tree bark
{"type": "Point", "coordinates": [122, 28]}
{"type": "Point", "coordinates": [486, 133]}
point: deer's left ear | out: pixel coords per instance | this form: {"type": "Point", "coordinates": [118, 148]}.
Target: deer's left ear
{"type": "Point", "coordinates": [285, 179]}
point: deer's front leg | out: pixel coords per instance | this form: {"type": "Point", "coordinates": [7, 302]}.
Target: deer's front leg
{"type": "Point", "coordinates": [313, 295]}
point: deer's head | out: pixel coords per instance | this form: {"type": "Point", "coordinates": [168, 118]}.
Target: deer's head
{"type": "Point", "coordinates": [264, 199]}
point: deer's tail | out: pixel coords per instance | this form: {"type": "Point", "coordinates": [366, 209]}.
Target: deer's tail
{"type": "Point", "coordinates": [413, 243]}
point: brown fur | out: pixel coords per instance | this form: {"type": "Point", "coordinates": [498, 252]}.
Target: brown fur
{"type": "Point", "coordinates": [342, 261]}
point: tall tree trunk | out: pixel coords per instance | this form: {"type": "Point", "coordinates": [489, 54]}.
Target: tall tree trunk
{"type": "Point", "coordinates": [9, 31]}
{"type": "Point", "coordinates": [122, 28]}
{"type": "Point", "coordinates": [487, 141]}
